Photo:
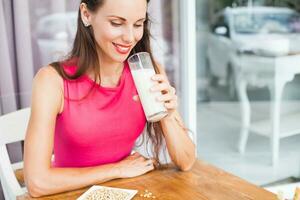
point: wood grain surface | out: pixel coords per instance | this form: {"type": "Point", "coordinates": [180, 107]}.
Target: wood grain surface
{"type": "Point", "coordinates": [203, 182]}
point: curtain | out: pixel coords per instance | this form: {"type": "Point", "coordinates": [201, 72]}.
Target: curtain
{"type": "Point", "coordinates": [8, 99]}
{"type": "Point", "coordinates": [16, 68]}
{"type": "Point", "coordinates": [23, 50]}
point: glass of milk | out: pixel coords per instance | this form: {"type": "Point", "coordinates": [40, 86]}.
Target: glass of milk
{"type": "Point", "coordinates": [142, 70]}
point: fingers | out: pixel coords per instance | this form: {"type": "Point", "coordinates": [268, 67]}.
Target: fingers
{"type": "Point", "coordinates": [159, 87]}
{"type": "Point", "coordinates": [169, 100]}
{"type": "Point", "coordinates": [159, 77]}
{"type": "Point", "coordinates": [145, 161]}
{"type": "Point", "coordinates": [135, 165]}
{"type": "Point", "coordinates": [138, 156]}
{"type": "Point", "coordinates": [162, 85]}
{"type": "Point", "coordinates": [171, 105]}
{"type": "Point", "coordinates": [148, 162]}
{"type": "Point", "coordinates": [132, 152]}
{"type": "Point", "coordinates": [149, 168]}
{"type": "Point", "coordinates": [135, 156]}
{"type": "Point", "coordinates": [167, 97]}
{"type": "Point", "coordinates": [144, 164]}
{"type": "Point", "coordinates": [149, 165]}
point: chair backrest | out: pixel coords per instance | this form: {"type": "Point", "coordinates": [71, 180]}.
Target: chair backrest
{"type": "Point", "coordinates": [12, 129]}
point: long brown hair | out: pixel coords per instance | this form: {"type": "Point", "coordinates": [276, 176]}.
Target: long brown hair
{"type": "Point", "coordinates": [84, 55]}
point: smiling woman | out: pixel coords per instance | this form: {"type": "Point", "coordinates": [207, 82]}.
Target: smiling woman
{"type": "Point", "coordinates": [116, 31]}
{"type": "Point", "coordinates": [89, 118]}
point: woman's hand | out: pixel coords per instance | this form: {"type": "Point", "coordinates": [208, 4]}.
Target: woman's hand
{"type": "Point", "coordinates": [134, 165]}
{"type": "Point", "coordinates": [168, 97]}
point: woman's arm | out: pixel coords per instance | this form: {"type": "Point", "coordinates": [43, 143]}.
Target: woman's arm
{"type": "Point", "coordinates": [40, 177]}
{"type": "Point", "coordinates": [179, 144]}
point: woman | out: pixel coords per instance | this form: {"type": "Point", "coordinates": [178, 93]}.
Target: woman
{"type": "Point", "coordinates": [85, 111]}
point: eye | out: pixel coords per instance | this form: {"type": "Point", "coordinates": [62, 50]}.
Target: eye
{"type": "Point", "coordinates": [116, 24]}
{"type": "Point", "coordinates": [138, 25]}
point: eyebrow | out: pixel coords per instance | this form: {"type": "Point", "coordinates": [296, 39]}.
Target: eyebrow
{"type": "Point", "coordinates": [123, 19]}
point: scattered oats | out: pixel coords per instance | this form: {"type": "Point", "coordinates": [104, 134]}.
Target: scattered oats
{"type": "Point", "coordinates": [147, 194]}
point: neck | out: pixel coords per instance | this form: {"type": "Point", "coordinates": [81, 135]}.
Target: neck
{"type": "Point", "coordinates": [109, 68]}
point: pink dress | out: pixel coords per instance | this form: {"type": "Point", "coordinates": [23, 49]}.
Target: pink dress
{"type": "Point", "coordinates": [102, 127]}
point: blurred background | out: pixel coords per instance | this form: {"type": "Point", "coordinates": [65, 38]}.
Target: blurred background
{"type": "Point", "coordinates": [247, 109]}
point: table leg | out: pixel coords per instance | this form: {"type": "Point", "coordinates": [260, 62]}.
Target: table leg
{"type": "Point", "coordinates": [276, 94]}
{"type": "Point", "coordinates": [246, 115]}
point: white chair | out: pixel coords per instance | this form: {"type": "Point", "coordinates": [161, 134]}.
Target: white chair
{"type": "Point", "coordinates": [12, 129]}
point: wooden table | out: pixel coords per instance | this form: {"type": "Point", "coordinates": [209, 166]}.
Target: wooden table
{"type": "Point", "coordinates": [203, 182]}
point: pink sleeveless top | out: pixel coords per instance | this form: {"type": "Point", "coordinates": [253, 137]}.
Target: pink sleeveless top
{"type": "Point", "coordinates": [102, 127]}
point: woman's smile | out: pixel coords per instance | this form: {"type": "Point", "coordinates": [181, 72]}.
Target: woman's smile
{"type": "Point", "coordinates": [122, 49]}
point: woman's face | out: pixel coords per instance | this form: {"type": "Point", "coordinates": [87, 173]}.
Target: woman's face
{"type": "Point", "coordinates": [118, 26]}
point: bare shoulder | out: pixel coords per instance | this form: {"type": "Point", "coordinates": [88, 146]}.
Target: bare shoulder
{"type": "Point", "coordinates": [48, 73]}
{"type": "Point", "coordinates": [47, 88]}
{"type": "Point", "coordinates": [48, 78]}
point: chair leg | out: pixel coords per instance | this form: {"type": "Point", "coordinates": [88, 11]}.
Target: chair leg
{"type": "Point", "coordinates": [243, 140]}
{"type": "Point", "coordinates": [275, 149]}
{"type": "Point", "coordinates": [246, 115]}
{"type": "Point", "coordinates": [276, 93]}
{"type": "Point", "coordinates": [6, 196]}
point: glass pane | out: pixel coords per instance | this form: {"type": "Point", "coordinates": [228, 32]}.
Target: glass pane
{"type": "Point", "coordinates": [248, 83]}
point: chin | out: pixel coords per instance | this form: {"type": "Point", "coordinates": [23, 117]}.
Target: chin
{"type": "Point", "coordinates": [119, 58]}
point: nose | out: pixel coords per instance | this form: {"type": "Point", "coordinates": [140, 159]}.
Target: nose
{"type": "Point", "coordinates": [128, 35]}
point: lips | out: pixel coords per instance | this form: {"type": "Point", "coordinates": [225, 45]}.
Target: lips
{"type": "Point", "coordinates": [122, 49]}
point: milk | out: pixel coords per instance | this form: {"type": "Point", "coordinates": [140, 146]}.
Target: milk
{"type": "Point", "coordinates": [154, 110]}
